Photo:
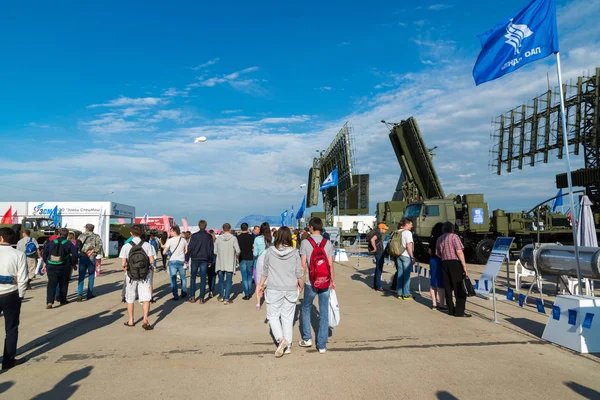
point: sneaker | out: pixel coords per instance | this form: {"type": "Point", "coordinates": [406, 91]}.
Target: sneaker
{"type": "Point", "coordinates": [91, 296]}
{"type": "Point", "coordinates": [210, 295]}
{"type": "Point", "coordinates": [464, 316]}
{"type": "Point", "coordinates": [322, 351]}
{"type": "Point", "coordinates": [219, 299]}
{"type": "Point", "coordinates": [64, 303]}
{"type": "Point", "coordinates": [280, 349]}
{"type": "Point", "coordinates": [305, 343]}
{"type": "Point", "coordinates": [288, 350]}
{"type": "Point", "coordinates": [79, 299]}
{"type": "Point", "coordinates": [48, 306]}
{"type": "Point", "coordinates": [201, 301]}
{"type": "Point", "coordinates": [227, 302]}
{"type": "Point", "coordinates": [400, 297]}
{"type": "Point", "coordinates": [378, 289]}
{"type": "Point", "coordinates": [409, 297]}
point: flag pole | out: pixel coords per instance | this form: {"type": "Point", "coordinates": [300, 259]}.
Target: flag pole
{"type": "Point", "coordinates": [338, 203]}
{"type": "Point", "coordinates": [569, 180]}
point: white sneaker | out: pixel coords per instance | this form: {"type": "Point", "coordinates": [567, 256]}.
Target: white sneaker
{"type": "Point", "coordinates": [305, 343]}
{"type": "Point", "coordinates": [288, 350]}
{"type": "Point", "coordinates": [280, 349]}
{"type": "Point", "coordinates": [322, 351]}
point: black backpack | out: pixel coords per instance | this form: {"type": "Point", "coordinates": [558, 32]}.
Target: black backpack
{"type": "Point", "coordinates": [138, 262]}
{"type": "Point", "coordinates": [59, 253]}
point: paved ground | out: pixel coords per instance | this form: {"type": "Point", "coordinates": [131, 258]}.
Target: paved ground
{"type": "Point", "coordinates": [384, 348]}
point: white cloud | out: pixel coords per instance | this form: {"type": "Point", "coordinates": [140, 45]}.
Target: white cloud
{"type": "Point", "coordinates": [439, 7]}
{"type": "Point", "coordinates": [285, 120]}
{"type": "Point", "coordinates": [231, 111]}
{"type": "Point", "coordinates": [172, 92]}
{"type": "Point", "coordinates": [39, 126]}
{"type": "Point", "coordinates": [344, 44]}
{"type": "Point", "coordinates": [206, 64]}
{"type": "Point", "coordinates": [130, 102]}
{"type": "Point", "coordinates": [235, 81]}
{"type": "Point", "coordinates": [325, 88]}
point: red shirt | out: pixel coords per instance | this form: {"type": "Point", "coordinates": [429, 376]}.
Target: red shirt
{"type": "Point", "coordinates": [447, 246]}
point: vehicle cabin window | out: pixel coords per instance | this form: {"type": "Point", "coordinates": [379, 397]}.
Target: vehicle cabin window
{"type": "Point", "coordinates": [432, 211]}
{"type": "Point", "coordinates": [28, 224]}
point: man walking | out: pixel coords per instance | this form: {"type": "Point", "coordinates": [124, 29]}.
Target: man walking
{"type": "Point", "coordinates": [60, 255]}
{"type": "Point", "coordinates": [177, 245]}
{"type": "Point", "coordinates": [246, 242]}
{"type": "Point", "coordinates": [227, 250]}
{"type": "Point", "coordinates": [306, 249]}
{"type": "Point", "coordinates": [136, 258]}
{"type": "Point", "coordinates": [90, 247]}
{"type": "Point", "coordinates": [199, 254]}
{"type": "Point", "coordinates": [31, 248]}
{"type": "Point", "coordinates": [12, 263]}
{"type": "Point", "coordinates": [376, 246]}
{"type": "Point", "coordinates": [451, 250]}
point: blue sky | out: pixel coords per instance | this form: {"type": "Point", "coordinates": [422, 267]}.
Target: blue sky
{"type": "Point", "coordinates": [109, 96]}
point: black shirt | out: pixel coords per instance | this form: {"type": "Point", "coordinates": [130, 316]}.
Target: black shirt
{"type": "Point", "coordinates": [246, 241]}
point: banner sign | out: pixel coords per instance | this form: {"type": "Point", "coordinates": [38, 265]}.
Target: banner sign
{"type": "Point", "coordinates": [499, 253]}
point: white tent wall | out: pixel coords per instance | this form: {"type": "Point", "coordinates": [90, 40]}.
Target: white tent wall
{"type": "Point", "coordinates": [75, 215]}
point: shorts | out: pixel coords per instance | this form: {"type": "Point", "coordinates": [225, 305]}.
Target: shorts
{"type": "Point", "coordinates": [139, 288]}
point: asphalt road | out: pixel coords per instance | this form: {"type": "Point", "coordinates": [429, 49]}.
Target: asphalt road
{"type": "Point", "coordinates": [384, 348]}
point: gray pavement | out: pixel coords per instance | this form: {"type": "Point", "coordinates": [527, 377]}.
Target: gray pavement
{"type": "Point", "coordinates": [384, 348]}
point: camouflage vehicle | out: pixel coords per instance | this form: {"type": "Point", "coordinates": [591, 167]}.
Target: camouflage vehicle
{"type": "Point", "coordinates": [123, 231]}
{"type": "Point", "coordinates": [41, 228]}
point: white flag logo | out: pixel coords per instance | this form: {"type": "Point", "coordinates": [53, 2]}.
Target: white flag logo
{"type": "Point", "coordinates": [515, 34]}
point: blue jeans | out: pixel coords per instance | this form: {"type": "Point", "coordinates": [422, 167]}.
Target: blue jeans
{"type": "Point", "coordinates": [87, 266]}
{"type": "Point", "coordinates": [379, 260]}
{"type": "Point", "coordinates": [246, 267]}
{"type": "Point", "coordinates": [174, 268]}
{"type": "Point", "coordinates": [404, 269]}
{"type": "Point", "coordinates": [224, 292]}
{"type": "Point", "coordinates": [198, 267]}
{"type": "Point", "coordinates": [309, 296]}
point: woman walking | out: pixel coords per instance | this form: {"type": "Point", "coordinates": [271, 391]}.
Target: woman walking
{"type": "Point", "coordinates": [282, 268]}
{"type": "Point", "coordinates": [436, 281]}
{"type": "Point", "coordinates": [261, 244]}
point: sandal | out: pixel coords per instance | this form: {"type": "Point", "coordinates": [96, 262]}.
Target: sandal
{"type": "Point", "coordinates": [147, 326]}
{"type": "Point", "coordinates": [192, 300]}
{"type": "Point", "coordinates": [127, 325]}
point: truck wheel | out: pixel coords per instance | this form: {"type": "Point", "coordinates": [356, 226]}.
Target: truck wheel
{"type": "Point", "coordinates": [483, 250]}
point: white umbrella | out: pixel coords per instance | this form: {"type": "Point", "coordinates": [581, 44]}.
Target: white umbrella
{"type": "Point", "coordinates": [586, 228]}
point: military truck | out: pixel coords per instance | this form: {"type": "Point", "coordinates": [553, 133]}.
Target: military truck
{"type": "Point", "coordinates": [41, 228]}
{"type": "Point", "coordinates": [478, 231]}
{"type": "Point", "coordinates": [124, 231]}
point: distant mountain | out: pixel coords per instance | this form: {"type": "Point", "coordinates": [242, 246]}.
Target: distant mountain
{"type": "Point", "coordinates": [256, 219]}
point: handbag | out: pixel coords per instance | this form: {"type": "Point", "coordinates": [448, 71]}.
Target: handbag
{"type": "Point", "coordinates": [468, 286]}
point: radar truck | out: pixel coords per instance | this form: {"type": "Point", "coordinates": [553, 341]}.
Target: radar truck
{"type": "Point", "coordinates": [419, 196]}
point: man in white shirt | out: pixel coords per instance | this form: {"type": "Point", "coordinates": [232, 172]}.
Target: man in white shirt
{"type": "Point", "coordinates": [12, 263]}
{"type": "Point", "coordinates": [178, 247]}
{"type": "Point", "coordinates": [405, 261]}
{"type": "Point", "coordinates": [143, 288]}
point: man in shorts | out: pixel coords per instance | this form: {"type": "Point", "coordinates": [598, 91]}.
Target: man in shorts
{"type": "Point", "coordinates": [143, 289]}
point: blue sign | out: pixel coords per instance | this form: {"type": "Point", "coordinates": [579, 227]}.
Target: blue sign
{"type": "Point", "coordinates": [510, 294]}
{"type": "Point", "coordinates": [478, 216]}
{"type": "Point", "coordinates": [502, 245]}
{"type": "Point", "coordinates": [572, 316]}
{"type": "Point", "coordinates": [521, 299]}
{"type": "Point", "coordinates": [587, 322]}
{"type": "Point", "coordinates": [540, 306]}
{"type": "Point", "coordinates": [556, 312]}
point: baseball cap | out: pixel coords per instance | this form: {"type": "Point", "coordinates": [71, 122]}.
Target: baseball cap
{"type": "Point", "coordinates": [383, 226]}
{"type": "Point", "coordinates": [90, 226]}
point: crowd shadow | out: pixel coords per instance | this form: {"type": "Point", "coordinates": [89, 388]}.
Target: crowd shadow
{"type": "Point", "coordinates": [4, 386]}
{"type": "Point", "coordinates": [364, 279]}
{"type": "Point", "coordinates": [72, 330]}
{"type": "Point", "coordinates": [444, 395]}
{"type": "Point", "coordinates": [583, 391]}
{"type": "Point", "coordinates": [67, 386]}
{"type": "Point", "coordinates": [167, 307]}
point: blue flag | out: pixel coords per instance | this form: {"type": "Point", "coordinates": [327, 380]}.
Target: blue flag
{"type": "Point", "coordinates": [331, 181]}
{"type": "Point", "coordinates": [528, 36]}
{"type": "Point", "coordinates": [558, 202]}
{"type": "Point", "coordinates": [300, 212]}
{"type": "Point", "coordinates": [283, 217]}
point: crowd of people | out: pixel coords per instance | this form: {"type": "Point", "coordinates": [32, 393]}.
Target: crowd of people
{"type": "Point", "coordinates": [275, 264]}
{"type": "Point", "coordinates": [447, 265]}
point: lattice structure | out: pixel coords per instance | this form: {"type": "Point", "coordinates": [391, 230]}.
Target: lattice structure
{"type": "Point", "coordinates": [529, 133]}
